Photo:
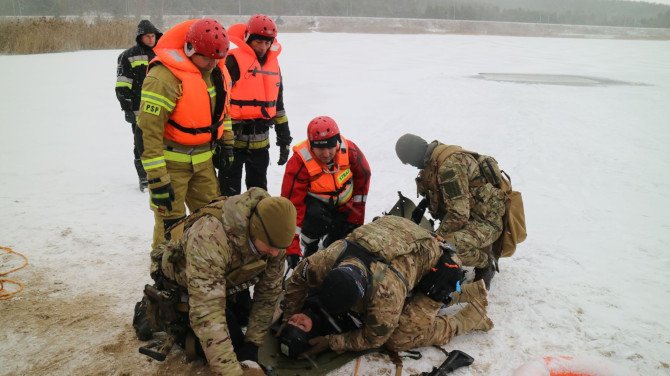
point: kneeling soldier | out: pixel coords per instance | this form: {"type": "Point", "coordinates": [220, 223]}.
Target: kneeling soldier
{"type": "Point", "coordinates": [222, 249]}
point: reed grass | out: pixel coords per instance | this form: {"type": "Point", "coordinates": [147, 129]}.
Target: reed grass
{"type": "Point", "coordinates": [44, 35]}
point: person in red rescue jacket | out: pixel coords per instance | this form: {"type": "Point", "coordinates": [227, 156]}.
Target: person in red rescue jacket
{"type": "Point", "coordinates": [327, 179]}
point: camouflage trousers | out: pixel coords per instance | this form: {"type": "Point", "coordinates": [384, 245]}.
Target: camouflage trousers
{"type": "Point", "coordinates": [194, 185]}
{"type": "Point", "coordinates": [474, 241]}
{"type": "Point", "coordinates": [420, 326]}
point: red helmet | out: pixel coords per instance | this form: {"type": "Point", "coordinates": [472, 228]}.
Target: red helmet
{"type": "Point", "coordinates": [262, 25]}
{"type": "Point", "coordinates": [208, 38]}
{"type": "Point", "coordinates": [322, 131]}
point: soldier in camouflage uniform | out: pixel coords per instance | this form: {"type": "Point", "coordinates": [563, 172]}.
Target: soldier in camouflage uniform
{"type": "Point", "coordinates": [470, 209]}
{"type": "Point", "coordinates": [381, 292]}
{"type": "Point", "coordinates": [219, 254]}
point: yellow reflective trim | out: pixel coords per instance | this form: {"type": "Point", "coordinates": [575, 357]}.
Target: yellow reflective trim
{"type": "Point", "coordinates": [227, 124]}
{"type": "Point", "coordinates": [343, 176]}
{"type": "Point", "coordinates": [153, 163]}
{"type": "Point", "coordinates": [158, 99]}
{"type": "Point", "coordinates": [252, 144]}
{"type": "Point", "coordinates": [187, 158]}
{"type": "Point", "coordinates": [202, 157]}
{"type": "Point", "coordinates": [281, 120]}
{"type": "Point", "coordinates": [137, 63]}
{"type": "Point", "coordinates": [124, 84]}
{"type": "Point", "coordinates": [176, 157]}
{"type": "Point", "coordinates": [212, 91]}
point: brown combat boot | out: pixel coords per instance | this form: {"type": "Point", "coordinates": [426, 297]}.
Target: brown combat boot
{"type": "Point", "coordinates": [471, 292]}
{"type": "Point", "coordinates": [472, 317]}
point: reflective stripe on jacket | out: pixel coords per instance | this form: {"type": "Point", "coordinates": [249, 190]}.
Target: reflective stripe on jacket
{"type": "Point", "coordinates": [333, 186]}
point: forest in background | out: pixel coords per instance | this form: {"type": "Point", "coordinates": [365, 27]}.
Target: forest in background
{"type": "Point", "coordinates": [570, 12]}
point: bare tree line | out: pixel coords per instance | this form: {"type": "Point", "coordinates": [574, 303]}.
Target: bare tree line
{"type": "Point", "coordinates": [575, 12]}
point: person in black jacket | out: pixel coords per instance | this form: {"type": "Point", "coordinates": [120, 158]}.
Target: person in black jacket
{"type": "Point", "coordinates": [130, 72]}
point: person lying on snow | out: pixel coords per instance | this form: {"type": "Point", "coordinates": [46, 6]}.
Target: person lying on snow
{"type": "Point", "coordinates": [390, 278]}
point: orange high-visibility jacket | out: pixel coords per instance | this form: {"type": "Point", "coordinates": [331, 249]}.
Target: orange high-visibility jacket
{"type": "Point", "coordinates": [254, 95]}
{"type": "Point", "coordinates": [330, 186]}
{"type": "Point", "coordinates": [191, 119]}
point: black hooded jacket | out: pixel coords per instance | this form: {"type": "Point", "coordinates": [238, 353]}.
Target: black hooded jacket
{"type": "Point", "coordinates": [132, 68]}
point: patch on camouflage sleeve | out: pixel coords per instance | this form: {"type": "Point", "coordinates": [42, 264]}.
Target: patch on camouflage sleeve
{"type": "Point", "coordinates": [450, 183]}
{"type": "Point", "coordinates": [453, 189]}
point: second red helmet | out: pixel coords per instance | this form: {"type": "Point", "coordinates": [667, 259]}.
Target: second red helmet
{"type": "Point", "coordinates": [208, 38]}
{"type": "Point", "coordinates": [323, 131]}
{"type": "Point", "coordinates": [262, 25]}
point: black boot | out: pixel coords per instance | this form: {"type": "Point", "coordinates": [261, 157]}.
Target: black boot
{"type": "Point", "coordinates": [486, 273]}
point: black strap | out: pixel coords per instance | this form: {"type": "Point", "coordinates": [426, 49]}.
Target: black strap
{"type": "Point", "coordinates": [212, 129]}
{"type": "Point", "coordinates": [253, 102]}
{"type": "Point", "coordinates": [217, 80]}
{"type": "Point", "coordinates": [199, 130]}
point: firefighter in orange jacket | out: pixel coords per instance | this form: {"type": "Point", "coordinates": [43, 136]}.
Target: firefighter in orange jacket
{"type": "Point", "coordinates": [182, 119]}
{"type": "Point", "coordinates": [327, 179]}
{"type": "Point", "coordinates": [257, 104]}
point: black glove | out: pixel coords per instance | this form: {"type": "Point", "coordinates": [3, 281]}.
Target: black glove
{"type": "Point", "coordinates": [248, 351]}
{"type": "Point", "coordinates": [130, 117]}
{"type": "Point", "coordinates": [284, 140]}
{"type": "Point", "coordinates": [283, 154]}
{"type": "Point", "coordinates": [442, 279]}
{"type": "Point", "coordinates": [292, 260]}
{"type": "Point", "coordinates": [162, 195]}
{"type": "Point", "coordinates": [417, 213]}
{"type": "Point", "coordinates": [223, 157]}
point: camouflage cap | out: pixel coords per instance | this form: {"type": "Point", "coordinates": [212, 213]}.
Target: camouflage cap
{"type": "Point", "coordinates": [273, 221]}
{"type": "Point", "coordinates": [411, 149]}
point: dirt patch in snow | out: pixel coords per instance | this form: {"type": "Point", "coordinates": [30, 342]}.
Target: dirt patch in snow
{"type": "Point", "coordinates": [64, 333]}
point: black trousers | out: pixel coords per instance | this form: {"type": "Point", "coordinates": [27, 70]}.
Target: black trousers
{"type": "Point", "coordinates": [323, 221]}
{"type": "Point", "coordinates": [255, 163]}
{"type": "Point", "coordinates": [137, 146]}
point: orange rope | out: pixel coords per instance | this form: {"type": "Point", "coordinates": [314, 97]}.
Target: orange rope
{"type": "Point", "coordinates": [6, 294]}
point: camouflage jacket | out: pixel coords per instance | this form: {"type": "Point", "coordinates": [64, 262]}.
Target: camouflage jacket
{"type": "Point", "coordinates": [456, 190]}
{"type": "Point", "coordinates": [216, 254]}
{"type": "Point", "coordinates": [411, 251]}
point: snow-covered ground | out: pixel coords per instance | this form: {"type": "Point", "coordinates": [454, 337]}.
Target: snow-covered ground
{"type": "Point", "coordinates": [592, 278]}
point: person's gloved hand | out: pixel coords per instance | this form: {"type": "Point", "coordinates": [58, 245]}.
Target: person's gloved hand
{"type": "Point", "coordinates": [223, 157]}
{"type": "Point", "coordinates": [442, 279]}
{"type": "Point", "coordinates": [417, 213]}
{"type": "Point", "coordinates": [319, 344]}
{"type": "Point", "coordinates": [283, 141]}
{"type": "Point", "coordinates": [283, 153]}
{"type": "Point", "coordinates": [162, 194]}
{"type": "Point", "coordinates": [248, 351]}
{"type": "Point", "coordinates": [292, 261]}
{"type": "Point", "coordinates": [130, 116]}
